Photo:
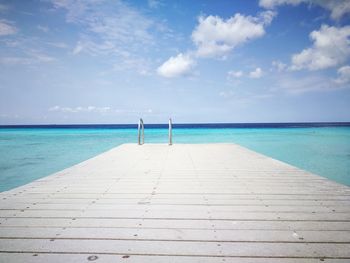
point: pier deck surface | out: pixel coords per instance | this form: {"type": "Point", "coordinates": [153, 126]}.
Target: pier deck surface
{"type": "Point", "coordinates": [181, 203]}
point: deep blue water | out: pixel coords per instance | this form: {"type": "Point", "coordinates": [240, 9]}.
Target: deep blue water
{"type": "Point", "coordinates": [187, 125]}
{"type": "Point", "coordinates": [33, 151]}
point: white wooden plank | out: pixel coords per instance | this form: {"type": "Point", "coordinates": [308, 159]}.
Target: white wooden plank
{"type": "Point", "coordinates": [148, 204]}
{"type": "Point", "coordinates": [178, 224]}
{"type": "Point", "coordinates": [105, 258]}
{"type": "Point", "coordinates": [194, 203]}
{"type": "Point", "coordinates": [176, 234]}
{"type": "Point", "coordinates": [236, 249]}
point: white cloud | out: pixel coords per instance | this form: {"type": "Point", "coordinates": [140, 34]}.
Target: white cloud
{"type": "Point", "coordinates": [93, 48]}
{"type": "Point", "coordinates": [58, 44]}
{"type": "Point", "coordinates": [273, 3]}
{"type": "Point", "coordinates": [256, 74]}
{"type": "Point", "coordinates": [95, 109]}
{"type": "Point", "coordinates": [292, 84]}
{"type": "Point", "coordinates": [117, 23]}
{"type": "Point", "coordinates": [343, 75]}
{"type": "Point", "coordinates": [80, 109]}
{"type": "Point", "coordinates": [7, 28]}
{"type": "Point", "coordinates": [180, 65]}
{"type": "Point", "coordinates": [331, 48]}
{"type": "Point", "coordinates": [298, 83]}
{"type": "Point", "coordinates": [279, 66]}
{"type": "Point", "coordinates": [215, 37]}
{"type": "Point", "coordinates": [338, 8]}
{"type": "Point", "coordinates": [32, 57]}
{"type": "Point", "coordinates": [40, 57]}
{"type": "Point", "coordinates": [234, 74]}
{"type": "Point", "coordinates": [114, 29]}
{"type": "Point", "coordinates": [78, 48]}
{"type": "Point", "coordinates": [140, 65]}
{"type": "Point", "coordinates": [266, 17]}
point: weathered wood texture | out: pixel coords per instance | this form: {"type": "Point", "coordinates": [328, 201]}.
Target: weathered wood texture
{"type": "Point", "coordinates": [181, 203]}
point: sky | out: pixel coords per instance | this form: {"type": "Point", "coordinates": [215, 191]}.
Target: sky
{"type": "Point", "coordinates": [114, 61]}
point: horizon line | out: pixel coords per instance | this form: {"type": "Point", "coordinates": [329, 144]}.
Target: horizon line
{"type": "Point", "coordinates": [182, 123]}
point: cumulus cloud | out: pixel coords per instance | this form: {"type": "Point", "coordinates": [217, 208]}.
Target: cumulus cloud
{"type": "Point", "coordinates": [215, 37]}
{"type": "Point", "coordinates": [180, 65]}
{"type": "Point", "coordinates": [256, 74]}
{"type": "Point", "coordinates": [338, 8]}
{"type": "Point", "coordinates": [343, 75]}
{"type": "Point", "coordinates": [331, 48]}
{"type": "Point", "coordinates": [7, 28]}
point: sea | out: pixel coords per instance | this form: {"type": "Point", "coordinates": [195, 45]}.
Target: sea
{"type": "Point", "coordinates": [30, 152]}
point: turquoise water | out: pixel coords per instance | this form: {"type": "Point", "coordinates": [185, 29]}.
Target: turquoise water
{"type": "Point", "coordinates": [32, 153]}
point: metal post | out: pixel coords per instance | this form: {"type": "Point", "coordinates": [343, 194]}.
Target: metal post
{"type": "Point", "coordinates": [140, 129]}
{"type": "Point", "coordinates": [143, 132]}
{"type": "Point", "coordinates": [170, 132]}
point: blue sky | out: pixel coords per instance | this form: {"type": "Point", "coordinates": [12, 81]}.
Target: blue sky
{"type": "Point", "coordinates": [110, 61]}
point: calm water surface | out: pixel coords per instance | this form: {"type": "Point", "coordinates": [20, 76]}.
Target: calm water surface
{"type": "Point", "coordinates": [31, 153]}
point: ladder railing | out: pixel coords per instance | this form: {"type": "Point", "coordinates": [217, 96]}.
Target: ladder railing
{"type": "Point", "coordinates": [141, 133]}
{"type": "Point", "coordinates": [170, 132]}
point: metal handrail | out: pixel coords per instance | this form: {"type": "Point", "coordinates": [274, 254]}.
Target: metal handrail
{"type": "Point", "coordinates": [141, 129]}
{"type": "Point", "coordinates": [141, 132]}
{"type": "Point", "coordinates": [170, 132]}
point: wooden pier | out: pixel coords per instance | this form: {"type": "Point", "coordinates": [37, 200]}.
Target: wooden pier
{"type": "Point", "coordinates": [181, 203]}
